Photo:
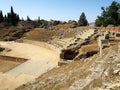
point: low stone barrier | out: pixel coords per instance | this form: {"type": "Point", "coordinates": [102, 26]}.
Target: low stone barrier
{"type": "Point", "coordinates": [15, 59]}
{"type": "Point", "coordinates": [115, 29]}
{"type": "Point", "coordinates": [42, 44]}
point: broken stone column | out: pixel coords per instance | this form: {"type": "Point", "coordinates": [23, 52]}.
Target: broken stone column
{"type": "Point", "coordinates": [103, 41]}
{"type": "Point", "coordinates": [100, 45]}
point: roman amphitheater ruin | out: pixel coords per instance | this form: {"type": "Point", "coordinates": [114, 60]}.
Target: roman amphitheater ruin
{"type": "Point", "coordinates": [25, 60]}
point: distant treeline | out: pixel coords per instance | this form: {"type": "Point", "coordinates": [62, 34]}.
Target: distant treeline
{"type": "Point", "coordinates": [12, 18]}
{"type": "Point", "coordinates": [110, 16]}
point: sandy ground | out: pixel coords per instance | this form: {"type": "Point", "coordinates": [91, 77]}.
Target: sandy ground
{"type": "Point", "coordinates": [24, 50]}
{"type": "Point", "coordinates": [40, 61]}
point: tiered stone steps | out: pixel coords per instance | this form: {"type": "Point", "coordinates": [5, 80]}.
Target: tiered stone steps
{"type": "Point", "coordinates": [77, 39]}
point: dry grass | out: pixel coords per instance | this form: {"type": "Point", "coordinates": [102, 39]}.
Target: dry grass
{"type": "Point", "coordinates": [62, 26]}
{"type": "Point", "coordinates": [88, 48]}
{"type": "Point", "coordinates": [40, 34]}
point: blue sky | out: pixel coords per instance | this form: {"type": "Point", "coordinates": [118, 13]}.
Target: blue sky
{"type": "Point", "coordinates": [56, 9]}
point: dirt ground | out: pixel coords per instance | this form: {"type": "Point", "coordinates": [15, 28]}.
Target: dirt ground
{"type": "Point", "coordinates": [7, 65]}
{"type": "Point", "coordinates": [40, 60]}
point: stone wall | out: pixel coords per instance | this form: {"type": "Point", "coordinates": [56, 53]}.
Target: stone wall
{"type": "Point", "coordinates": [15, 59]}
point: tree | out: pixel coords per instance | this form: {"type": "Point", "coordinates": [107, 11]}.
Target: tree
{"type": "Point", "coordinates": [98, 21]}
{"type": "Point", "coordinates": [1, 17]}
{"type": "Point", "coordinates": [113, 11]}
{"type": "Point", "coordinates": [110, 15]}
{"type": "Point", "coordinates": [39, 19]}
{"type": "Point", "coordinates": [44, 22]}
{"type": "Point", "coordinates": [28, 19]}
{"type": "Point", "coordinates": [17, 18]}
{"type": "Point", "coordinates": [118, 19]}
{"type": "Point", "coordinates": [22, 19]}
{"type": "Point", "coordinates": [108, 21]}
{"type": "Point", "coordinates": [5, 18]}
{"type": "Point", "coordinates": [83, 21]}
{"type": "Point", "coordinates": [12, 18]}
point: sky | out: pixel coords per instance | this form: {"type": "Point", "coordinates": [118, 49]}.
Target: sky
{"type": "Point", "coordinates": [63, 10]}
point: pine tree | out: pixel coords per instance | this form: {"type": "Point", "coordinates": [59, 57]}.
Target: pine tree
{"type": "Point", "coordinates": [82, 20]}
{"type": "Point", "coordinates": [1, 17]}
{"type": "Point", "coordinates": [110, 15]}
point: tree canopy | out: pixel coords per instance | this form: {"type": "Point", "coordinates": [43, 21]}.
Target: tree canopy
{"type": "Point", "coordinates": [82, 20]}
{"type": "Point", "coordinates": [11, 18]}
{"type": "Point", "coordinates": [110, 15]}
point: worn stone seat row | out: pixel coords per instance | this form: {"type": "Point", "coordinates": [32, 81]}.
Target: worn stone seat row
{"type": "Point", "coordinates": [81, 35]}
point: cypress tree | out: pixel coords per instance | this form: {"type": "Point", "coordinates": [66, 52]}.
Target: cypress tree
{"type": "Point", "coordinates": [12, 18]}
{"type": "Point", "coordinates": [22, 19]}
{"type": "Point", "coordinates": [5, 19]}
{"type": "Point", "coordinates": [39, 19]}
{"type": "Point", "coordinates": [28, 19]}
{"type": "Point", "coordinates": [17, 18]}
{"type": "Point", "coordinates": [1, 17]}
